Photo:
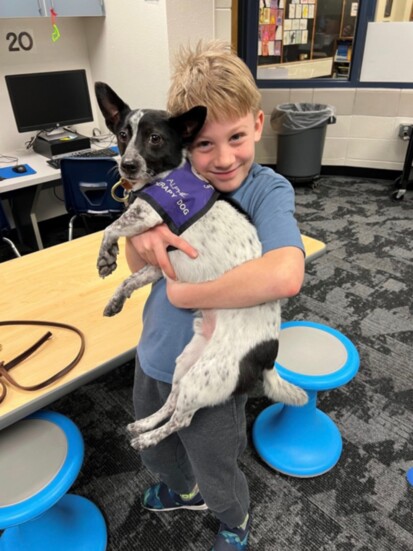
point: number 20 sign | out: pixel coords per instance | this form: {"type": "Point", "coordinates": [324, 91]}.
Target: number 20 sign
{"type": "Point", "coordinates": [20, 41]}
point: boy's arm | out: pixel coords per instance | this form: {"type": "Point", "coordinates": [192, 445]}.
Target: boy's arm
{"type": "Point", "coordinates": [278, 274]}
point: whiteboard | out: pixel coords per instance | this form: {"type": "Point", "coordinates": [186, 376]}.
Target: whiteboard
{"type": "Point", "coordinates": [388, 53]}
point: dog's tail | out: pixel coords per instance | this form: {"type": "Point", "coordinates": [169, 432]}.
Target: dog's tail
{"type": "Point", "coordinates": [279, 390]}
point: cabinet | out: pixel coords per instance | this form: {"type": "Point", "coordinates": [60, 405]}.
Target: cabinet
{"type": "Point", "coordinates": [41, 8]}
{"type": "Point", "coordinates": [67, 8]}
{"type": "Point", "coordinates": [22, 8]}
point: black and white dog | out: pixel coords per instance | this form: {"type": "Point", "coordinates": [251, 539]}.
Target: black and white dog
{"type": "Point", "coordinates": [244, 342]}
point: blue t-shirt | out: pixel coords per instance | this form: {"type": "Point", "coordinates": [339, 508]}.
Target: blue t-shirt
{"type": "Point", "coordinates": [268, 198]}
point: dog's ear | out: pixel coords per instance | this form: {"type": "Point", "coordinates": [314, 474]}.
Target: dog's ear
{"type": "Point", "coordinates": [113, 108]}
{"type": "Point", "coordinates": [190, 123]}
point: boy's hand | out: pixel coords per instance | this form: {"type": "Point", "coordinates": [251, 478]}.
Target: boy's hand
{"type": "Point", "coordinates": [151, 246]}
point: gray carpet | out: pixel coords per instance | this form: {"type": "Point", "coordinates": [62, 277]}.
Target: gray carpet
{"type": "Point", "coordinates": [361, 286]}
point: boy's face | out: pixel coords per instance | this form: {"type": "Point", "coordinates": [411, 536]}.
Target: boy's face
{"type": "Point", "coordinates": [223, 152]}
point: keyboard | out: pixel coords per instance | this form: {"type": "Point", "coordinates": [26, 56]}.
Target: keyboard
{"type": "Point", "coordinates": [104, 152]}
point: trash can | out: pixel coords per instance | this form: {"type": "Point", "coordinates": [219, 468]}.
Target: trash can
{"type": "Point", "coordinates": [301, 129]}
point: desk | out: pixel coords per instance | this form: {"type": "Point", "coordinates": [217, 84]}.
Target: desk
{"type": "Point", "coordinates": [26, 191]}
{"type": "Point", "coordinates": [44, 172]}
{"type": "Point", "coordinates": [313, 248]}
{"type": "Point", "coordinates": [61, 284]}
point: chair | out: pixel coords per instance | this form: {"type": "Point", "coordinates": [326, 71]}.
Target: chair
{"type": "Point", "coordinates": [5, 227]}
{"type": "Point", "coordinates": [87, 185]}
{"type": "Point", "coordinates": [304, 441]}
{"type": "Point", "coordinates": [40, 458]}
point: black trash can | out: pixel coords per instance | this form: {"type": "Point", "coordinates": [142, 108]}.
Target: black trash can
{"type": "Point", "coordinates": [301, 129]}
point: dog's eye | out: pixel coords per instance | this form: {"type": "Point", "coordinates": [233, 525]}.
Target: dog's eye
{"type": "Point", "coordinates": [155, 139]}
{"type": "Point", "coordinates": [123, 135]}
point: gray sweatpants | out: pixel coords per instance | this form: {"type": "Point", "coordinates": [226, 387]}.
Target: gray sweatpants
{"type": "Point", "coordinates": [205, 453]}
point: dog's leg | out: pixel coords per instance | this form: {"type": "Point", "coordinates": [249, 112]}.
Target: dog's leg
{"type": "Point", "coordinates": [184, 362]}
{"type": "Point", "coordinates": [186, 406]}
{"type": "Point", "coordinates": [139, 218]}
{"type": "Point", "coordinates": [150, 422]}
{"type": "Point", "coordinates": [178, 421]}
{"type": "Point", "coordinates": [200, 387]}
{"type": "Point", "coordinates": [148, 274]}
{"type": "Point", "coordinates": [280, 390]}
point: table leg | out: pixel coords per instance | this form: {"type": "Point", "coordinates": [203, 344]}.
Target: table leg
{"type": "Point", "coordinates": [23, 202]}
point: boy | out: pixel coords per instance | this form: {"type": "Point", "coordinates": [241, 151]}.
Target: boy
{"type": "Point", "coordinates": [198, 466]}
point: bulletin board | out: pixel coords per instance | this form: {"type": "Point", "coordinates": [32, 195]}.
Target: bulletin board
{"type": "Point", "coordinates": [270, 31]}
{"type": "Point", "coordinates": [285, 30]}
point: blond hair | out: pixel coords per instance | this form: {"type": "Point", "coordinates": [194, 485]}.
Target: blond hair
{"type": "Point", "coordinates": [214, 76]}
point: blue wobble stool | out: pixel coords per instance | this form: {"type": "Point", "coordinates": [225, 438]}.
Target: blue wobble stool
{"type": "Point", "coordinates": [40, 458]}
{"type": "Point", "coordinates": [303, 441]}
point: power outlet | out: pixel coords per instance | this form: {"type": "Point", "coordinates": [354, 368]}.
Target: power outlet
{"type": "Point", "coordinates": [405, 131]}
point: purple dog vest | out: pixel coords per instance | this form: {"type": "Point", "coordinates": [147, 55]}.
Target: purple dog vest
{"type": "Point", "coordinates": [181, 198]}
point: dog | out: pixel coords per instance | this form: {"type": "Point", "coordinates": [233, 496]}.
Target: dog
{"type": "Point", "coordinates": [244, 341]}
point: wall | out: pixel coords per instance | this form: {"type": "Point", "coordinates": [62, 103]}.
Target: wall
{"type": "Point", "coordinates": [366, 132]}
{"type": "Point", "coordinates": [400, 10]}
{"type": "Point", "coordinates": [133, 48]}
{"type": "Point", "coordinates": [182, 30]}
{"type": "Point", "coordinates": [70, 52]}
{"type": "Point", "coordinates": [130, 48]}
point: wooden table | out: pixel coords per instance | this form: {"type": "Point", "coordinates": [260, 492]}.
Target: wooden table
{"type": "Point", "coordinates": [61, 284]}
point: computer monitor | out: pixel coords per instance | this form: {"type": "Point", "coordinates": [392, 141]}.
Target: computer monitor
{"type": "Point", "coordinates": [47, 101]}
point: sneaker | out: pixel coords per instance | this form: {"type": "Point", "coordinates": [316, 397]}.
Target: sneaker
{"type": "Point", "coordinates": [160, 498]}
{"type": "Point", "coordinates": [232, 539]}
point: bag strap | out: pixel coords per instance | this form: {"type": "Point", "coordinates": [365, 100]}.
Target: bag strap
{"type": "Point", "coordinates": [4, 368]}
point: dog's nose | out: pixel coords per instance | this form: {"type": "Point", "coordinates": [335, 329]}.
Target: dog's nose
{"type": "Point", "coordinates": [129, 165]}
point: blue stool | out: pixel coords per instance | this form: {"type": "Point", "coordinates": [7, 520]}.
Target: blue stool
{"type": "Point", "coordinates": [304, 441]}
{"type": "Point", "coordinates": [40, 458]}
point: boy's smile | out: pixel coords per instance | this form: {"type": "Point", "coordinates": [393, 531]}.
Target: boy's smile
{"type": "Point", "coordinates": [223, 152]}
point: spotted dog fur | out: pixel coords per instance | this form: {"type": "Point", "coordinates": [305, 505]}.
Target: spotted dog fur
{"type": "Point", "coordinates": [230, 348]}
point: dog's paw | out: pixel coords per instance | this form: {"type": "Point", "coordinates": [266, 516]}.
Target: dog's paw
{"type": "Point", "coordinates": [105, 270]}
{"type": "Point", "coordinates": [106, 263]}
{"type": "Point", "coordinates": [142, 442]}
{"type": "Point", "coordinates": [130, 427]}
{"type": "Point", "coordinates": [137, 440]}
{"type": "Point", "coordinates": [113, 307]}
{"type": "Point", "coordinates": [136, 428]}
